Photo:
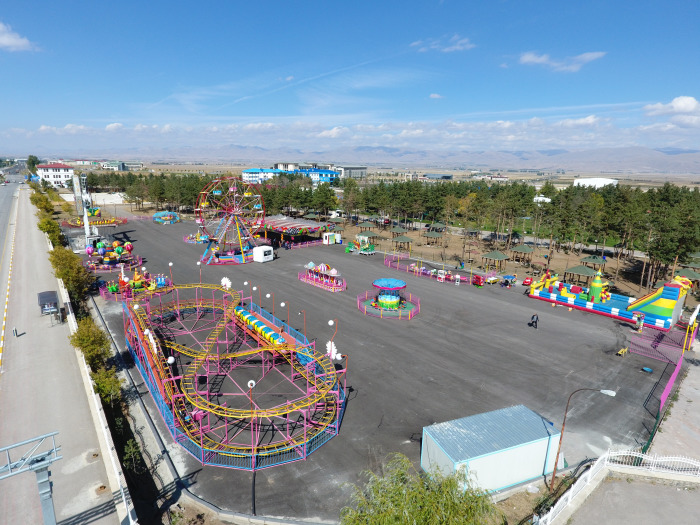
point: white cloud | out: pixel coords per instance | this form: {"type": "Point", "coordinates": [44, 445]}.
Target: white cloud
{"type": "Point", "coordinates": [259, 126]}
{"type": "Point", "coordinates": [334, 133]}
{"type": "Point", "coordinates": [68, 129]}
{"type": "Point", "coordinates": [11, 41]}
{"type": "Point", "coordinates": [679, 105]}
{"type": "Point", "coordinates": [444, 45]}
{"type": "Point", "coordinates": [115, 126]}
{"type": "Point", "coordinates": [590, 120]}
{"type": "Point", "coordinates": [568, 64]}
{"type": "Point", "coordinates": [435, 95]}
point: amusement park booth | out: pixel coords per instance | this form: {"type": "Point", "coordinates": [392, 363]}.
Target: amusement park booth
{"type": "Point", "coordinates": [496, 449]}
{"type": "Point", "coordinates": [263, 254]}
{"type": "Point", "coordinates": [332, 238]}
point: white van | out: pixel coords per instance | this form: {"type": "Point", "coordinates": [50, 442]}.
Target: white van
{"type": "Point", "coordinates": [337, 214]}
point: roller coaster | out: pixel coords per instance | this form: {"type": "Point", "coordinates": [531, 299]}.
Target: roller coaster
{"type": "Point", "coordinates": [232, 394]}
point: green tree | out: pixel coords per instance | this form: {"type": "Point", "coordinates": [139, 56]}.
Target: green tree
{"type": "Point", "coordinates": [107, 385]}
{"type": "Point", "coordinates": [132, 456]}
{"type": "Point", "coordinates": [68, 266]}
{"type": "Point", "coordinates": [92, 342]}
{"type": "Point", "coordinates": [51, 228]}
{"type": "Point", "coordinates": [32, 161]}
{"type": "Point", "coordinates": [403, 495]}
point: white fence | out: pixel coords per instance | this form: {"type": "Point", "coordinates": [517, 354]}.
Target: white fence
{"type": "Point", "coordinates": [643, 464]}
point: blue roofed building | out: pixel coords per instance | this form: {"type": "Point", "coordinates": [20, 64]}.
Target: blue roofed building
{"type": "Point", "coordinates": [496, 449]}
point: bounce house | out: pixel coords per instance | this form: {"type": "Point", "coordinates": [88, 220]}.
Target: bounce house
{"type": "Point", "coordinates": [659, 309]}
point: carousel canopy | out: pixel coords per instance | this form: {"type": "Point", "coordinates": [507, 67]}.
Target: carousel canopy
{"type": "Point", "coordinates": [523, 248]}
{"type": "Point", "coordinates": [581, 270]}
{"type": "Point", "coordinates": [389, 284]}
{"type": "Point", "coordinates": [593, 259]}
{"type": "Point", "coordinates": [495, 255]}
{"type": "Point", "coordinates": [402, 238]}
{"type": "Point", "coordinates": [286, 225]}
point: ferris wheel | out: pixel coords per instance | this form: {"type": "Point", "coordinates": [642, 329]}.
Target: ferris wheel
{"type": "Point", "coordinates": [229, 213]}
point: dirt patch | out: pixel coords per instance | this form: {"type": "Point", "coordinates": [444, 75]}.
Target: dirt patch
{"type": "Point", "coordinates": [520, 505]}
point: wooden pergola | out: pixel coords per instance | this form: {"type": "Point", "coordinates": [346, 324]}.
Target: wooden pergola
{"type": "Point", "coordinates": [432, 237]}
{"type": "Point", "coordinates": [499, 259]}
{"type": "Point", "coordinates": [596, 261]}
{"type": "Point", "coordinates": [397, 230]}
{"type": "Point", "coordinates": [522, 253]}
{"type": "Point", "coordinates": [366, 226]}
{"type": "Point", "coordinates": [580, 273]}
{"type": "Point", "coordinates": [402, 243]}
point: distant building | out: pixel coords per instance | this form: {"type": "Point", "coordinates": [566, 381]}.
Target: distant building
{"type": "Point", "coordinates": [112, 165]}
{"type": "Point", "coordinates": [260, 175]}
{"type": "Point", "coordinates": [352, 172]}
{"type": "Point", "coordinates": [435, 177]}
{"type": "Point", "coordinates": [318, 176]}
{"type": "Point", "coordinates": [132, 165]}
{"type": "Point", "coordinates": [595, 182]}
{"type": "Point", "coordinates": [55, 173]}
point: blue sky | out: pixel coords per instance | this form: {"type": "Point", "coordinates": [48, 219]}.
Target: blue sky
{"type": "Point", "coordinates": [84, 76]}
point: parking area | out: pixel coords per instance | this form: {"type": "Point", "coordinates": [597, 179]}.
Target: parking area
{"type": "Point", "coordinates": [469, 351]}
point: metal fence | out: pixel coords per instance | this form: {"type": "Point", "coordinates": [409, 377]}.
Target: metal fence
{"type": "Point", "coordinates": [388, 314]}
{"type": "Point", "coordinates": [622, 459]}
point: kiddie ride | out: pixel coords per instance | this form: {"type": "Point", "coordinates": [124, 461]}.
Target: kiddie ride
{"type": "Point", "coordinates": [659, 309]}
{"type": "Point", "coordinates": [106, 257]}
{"type": "Point", "coordinates": [125, 288]}
{"type": "Point", "coordinates": [361, 247]}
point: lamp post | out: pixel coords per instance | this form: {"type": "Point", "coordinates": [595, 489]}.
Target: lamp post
{"type": "Point", "coordinates": [282, 305]}
{"type": "Point", "coordinates": [304, 312]}
{"type": "Point", "coordinates": [273, 302]}
{"type": "Point", "coordinates": [259, 296]}
{"type": "Point", "coordinates": [610, 393]}
{"type": "Point", "coordinates": [331, 323]}
{"type": "Point", "coordinates": [199, 263]}
{"type": "Point", "coordinates": [171, 272]}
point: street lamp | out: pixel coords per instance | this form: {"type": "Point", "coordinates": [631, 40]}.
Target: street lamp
{"type": "Point", "coordinates": [331, 323]}
{"type": "Point", "coordinates": [610, 393]}
{"type": "Point", "coordinates": [259, 296]}
{"type": "Point", "coordinates": [304, 312]}
{"type": "Point", "coordinates": [199, 263]}
{"type": "Point", "coordinates": [171, 272]}
{"type": "Point", "coordinates": [273, 302]}
{"type": "Point", "coordinates": [282, 305]}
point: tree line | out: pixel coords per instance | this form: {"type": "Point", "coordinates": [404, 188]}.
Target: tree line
{"type": "Point", "coordinates": [662, 222]}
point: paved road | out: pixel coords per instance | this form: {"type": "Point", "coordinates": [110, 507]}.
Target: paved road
{"type": "Point", "coordinates": [469, 351]}
{"type": "Point", "coordinates": [41, 390]}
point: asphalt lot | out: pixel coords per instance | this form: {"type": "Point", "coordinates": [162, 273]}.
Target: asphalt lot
{"type": "Point", "coordinates": [469, 351]}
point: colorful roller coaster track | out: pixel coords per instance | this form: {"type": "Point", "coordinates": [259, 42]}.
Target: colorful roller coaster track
{"type": "Point", "coordinates": [230, 393]}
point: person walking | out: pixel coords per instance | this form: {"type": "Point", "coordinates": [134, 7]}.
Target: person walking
{"type": "Point", "coordinates": [534, 320]}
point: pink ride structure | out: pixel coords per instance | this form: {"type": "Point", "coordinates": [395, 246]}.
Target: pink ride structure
{"type": "Point", "coordinates": [236, 386]}
{"type": "Point", "coordinates": [323, 276]}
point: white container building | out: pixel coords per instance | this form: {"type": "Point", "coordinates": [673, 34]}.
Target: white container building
{"type": "Point", "coordinates": [497, 449]}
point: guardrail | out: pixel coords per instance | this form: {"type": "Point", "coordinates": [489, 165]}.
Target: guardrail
{"type": "Point", "coordinates": [625, 460]}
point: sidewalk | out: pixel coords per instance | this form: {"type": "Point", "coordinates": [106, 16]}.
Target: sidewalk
{"type": "Point", "coordinates": [42, 391]}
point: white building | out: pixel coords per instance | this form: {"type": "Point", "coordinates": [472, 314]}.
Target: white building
{"type": "Point", "coordinates": [259, 175]}
{"type": "Point", "coordinates": [55, 173]}
{"type": "Point", "coordinates": [595, 182]}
